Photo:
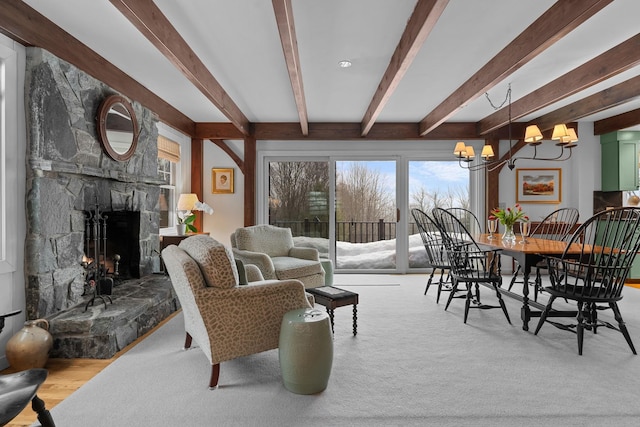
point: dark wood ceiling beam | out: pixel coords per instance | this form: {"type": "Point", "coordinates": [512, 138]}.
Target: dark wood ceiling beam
{"type": "Point", "coordinates": [603, 100]}
{"type": "Point", "coordinates": [217, 131]}
{"type": "Point", "coordinates": [289, 41]}
{"type": "Point", "coordinates": [28, 27]}
{"type": "Point", "coordinates": [351, 132]}
{"type": "Point", "coordinates": [150, 21]}
{"type": "Point", "coordinates": [616, 60]}
{"type": "Point", "coordinates": [560, 19]}
{"type": "Point", "coordinates": [615, 123]}
{"type": "Point", "coordinates": [422, 20]}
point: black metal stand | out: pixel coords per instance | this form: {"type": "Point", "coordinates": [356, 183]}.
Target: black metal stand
{"type": "Point", "coordinates": [96, 272]}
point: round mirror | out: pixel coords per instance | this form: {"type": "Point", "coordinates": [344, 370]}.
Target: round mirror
{"type": "Point", "coordinates": [118, 128]}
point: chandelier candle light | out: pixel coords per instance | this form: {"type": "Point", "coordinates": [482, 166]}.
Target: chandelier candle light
{"type": "Point", "coordinates": [565, 136]}
{"type": "Point", "coordinates": [508, 217]}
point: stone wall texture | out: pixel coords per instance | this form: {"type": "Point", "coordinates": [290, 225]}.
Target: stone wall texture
{"type": "Point", "coordinates": [68, 173]}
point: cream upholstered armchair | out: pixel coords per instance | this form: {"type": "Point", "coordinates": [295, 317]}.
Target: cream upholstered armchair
{"type": "Point", "coordinates": [271, 249]}
{"type": "Point", "coordinates": [225, 319]}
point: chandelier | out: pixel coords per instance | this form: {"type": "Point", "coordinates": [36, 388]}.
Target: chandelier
{"type": "Point", "coordinates": [566, 137]}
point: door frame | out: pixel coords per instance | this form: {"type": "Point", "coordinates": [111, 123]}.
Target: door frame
{"type": "Point", "coordinates": [401, 151]}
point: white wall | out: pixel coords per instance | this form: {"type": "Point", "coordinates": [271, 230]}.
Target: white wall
{"type": "Point", "coordinates": [228, 208]}
{"type": "Point", "coordinates": [13, 227]}
{"type": "Point", "coordinates": [580, 175]}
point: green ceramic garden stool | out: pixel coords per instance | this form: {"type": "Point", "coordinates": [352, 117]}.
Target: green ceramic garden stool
{"type": "Point", "coordinates": [306, 350]}
{"type": "Point", "coordinates": [327, 266]}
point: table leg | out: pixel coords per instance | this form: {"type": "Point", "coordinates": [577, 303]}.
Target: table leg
{"type": "Point", "coordinates": [355, 319]}
{"type": "Point", "coordinates": [525, 312]}
{"type": "Point", "coordinates": [330, 311]}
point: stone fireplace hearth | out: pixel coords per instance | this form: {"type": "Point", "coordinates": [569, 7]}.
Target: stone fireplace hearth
{"type": "Point", "coordinates": [68, 175]}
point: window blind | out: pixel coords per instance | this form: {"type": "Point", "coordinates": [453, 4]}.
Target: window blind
{"type": "Point", "coordinates": [168, 149]}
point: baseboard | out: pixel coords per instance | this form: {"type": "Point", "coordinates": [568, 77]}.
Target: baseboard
{"type": "Point", "coordinates": [633, 283]}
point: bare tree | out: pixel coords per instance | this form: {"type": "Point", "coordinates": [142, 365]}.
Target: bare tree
{"type": "Point", "coordinates": [362, 195]}
{"type": "Point", "coordinates": [426, 200]}
{"type": "Point", "coordinates": [291, 186]}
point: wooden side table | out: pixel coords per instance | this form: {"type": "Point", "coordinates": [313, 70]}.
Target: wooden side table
{"type": "Point", "coordinates": [332, 298]}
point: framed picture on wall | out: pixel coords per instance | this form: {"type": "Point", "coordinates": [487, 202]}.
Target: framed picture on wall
{"type": "Point", "coordinates": [222, 181]}
{"type": "Point", "coordinates": [539, 185]}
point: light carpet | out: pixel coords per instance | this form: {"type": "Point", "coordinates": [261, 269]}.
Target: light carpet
{"type": "Point", "coordinates": [411, 363]}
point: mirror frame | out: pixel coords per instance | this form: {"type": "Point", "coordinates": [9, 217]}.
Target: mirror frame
{"type": "Point", "coordinates": [103, 111]}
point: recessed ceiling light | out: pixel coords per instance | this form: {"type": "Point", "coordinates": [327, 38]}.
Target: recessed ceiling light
{"type": "Point", "coordinates": [345, 63]}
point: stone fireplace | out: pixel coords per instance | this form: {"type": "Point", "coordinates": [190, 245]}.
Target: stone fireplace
{"type": "Point", "coordinates": [68, 175]}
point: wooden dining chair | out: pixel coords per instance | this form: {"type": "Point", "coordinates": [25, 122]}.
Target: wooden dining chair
{"type": "Point", "coordinates": [468, 219]}
{"type": "Point", "coordinates": [558, 225]}
{"type": "Point", "coordinates": [436, 252]}
{"type": "Point", "coordinates": [470, 264]}
{"type": "Point", "coordinates": [606, 245]}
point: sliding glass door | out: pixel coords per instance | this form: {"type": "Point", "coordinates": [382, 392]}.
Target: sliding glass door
{"type": "Point", "coordinates": [433, 184]}
{"type": "Point", "coordinates": [299, 200]}
{"type": "Point", "coordinates": [365, 214]}
{"type": "Point", "coordinates": [356, 211]}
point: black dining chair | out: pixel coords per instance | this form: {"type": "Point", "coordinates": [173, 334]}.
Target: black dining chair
{"type": "Point", "coordinates": [436, 252]}
{"type": "Point", "coordinates": [468, 219]}
{"type": "Point", "coordinates": [20, 388]}
{"type": "Point", "coordinates": [470, 264]}
{"type": "Point", "coordinates": [592, 271]}
{"type": "Point", "coordinates": [558, 225]}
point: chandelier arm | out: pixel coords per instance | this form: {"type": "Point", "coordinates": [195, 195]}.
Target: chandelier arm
{"type": "Point", "coordinates": [492, 166]}
{"type": "Point", "coordinates": [509, 159]}
{"type": "Point", "coordinates": [558, 158]}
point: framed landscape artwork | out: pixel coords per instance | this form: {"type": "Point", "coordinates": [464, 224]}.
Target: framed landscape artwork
{"type": "Point", "coordinates": [222, 181]}
{"type": "Point", "coordinates": [538, 185]}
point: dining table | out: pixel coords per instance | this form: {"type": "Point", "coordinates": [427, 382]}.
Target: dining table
{"type": "Point", "coordinates": [528, 254]}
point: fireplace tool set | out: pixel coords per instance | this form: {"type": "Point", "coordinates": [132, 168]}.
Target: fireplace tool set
{"type": "Point", "coordinates": [98, 281]}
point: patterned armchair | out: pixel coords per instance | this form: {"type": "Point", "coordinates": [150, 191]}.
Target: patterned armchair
{"type": "Point", "coordinates": [271, 249]}
{"type": "Point", "coordinates": [225, 319]}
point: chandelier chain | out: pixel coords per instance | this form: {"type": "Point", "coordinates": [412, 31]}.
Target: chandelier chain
{"type": "Point", "coordinates": [507, 98]}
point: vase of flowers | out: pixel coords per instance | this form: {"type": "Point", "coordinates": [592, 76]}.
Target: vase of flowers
{"type": "Point", "coordinates": [508, 217]}
{"type": "Point", "coordinates": [185, 224]}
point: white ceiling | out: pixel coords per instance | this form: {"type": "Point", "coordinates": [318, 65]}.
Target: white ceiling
{"type": "Point", "coordinates": [239, 43]}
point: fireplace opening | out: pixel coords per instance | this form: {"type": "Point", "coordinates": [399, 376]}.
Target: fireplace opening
{"type": "Point", "coordinates": [119, 233]}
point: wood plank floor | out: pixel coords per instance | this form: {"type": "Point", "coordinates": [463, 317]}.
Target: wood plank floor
{"type": "Point", "coordinates": [65, 377]}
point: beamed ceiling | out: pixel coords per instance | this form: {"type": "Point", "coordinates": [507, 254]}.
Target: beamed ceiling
{"type": "Point", "coordinates": [230, 69]}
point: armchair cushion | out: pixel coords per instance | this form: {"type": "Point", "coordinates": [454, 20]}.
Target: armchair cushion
{"type": "Point", "coordinates": [214, 259]}
{"type": "Point", "coordinates": [293, 268]}
{"type": "Point", "coordinates": [268, 239]}
{"type": "Point", "coordinates": [304, 253]}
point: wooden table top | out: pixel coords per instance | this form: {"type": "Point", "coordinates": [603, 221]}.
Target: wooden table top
{"type": "Point", "coordinates": [533, 245]}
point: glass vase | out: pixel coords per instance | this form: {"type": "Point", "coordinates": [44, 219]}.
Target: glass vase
{"type": "Point", "coordinates": [509, 236]}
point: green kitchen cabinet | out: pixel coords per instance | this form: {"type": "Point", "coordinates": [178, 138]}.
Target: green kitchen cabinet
{"type": "Point", "coordinates": [620, 160]}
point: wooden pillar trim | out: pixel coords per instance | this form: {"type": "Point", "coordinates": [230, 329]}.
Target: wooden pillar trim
{"type": "Point", "coordinates": [492, 180]}
{"type": "Point", "coordinates": [197, 165]}
{"type": "Point", "coordinates": [224, 147]}
{"type": "Point", "coordinates": [249, 181]}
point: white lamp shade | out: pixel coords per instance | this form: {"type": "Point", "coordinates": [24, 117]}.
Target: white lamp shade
{"type": "Point", "coordinates": [487, 152]}
{"type": "Point", "coordinates": [460, 149]}
{"type": "Point", "coordinates": [532, 134]}
{"type": "Point", "coordinates": [470, 153]}
{"type": "Point", "coordinates": [571, 139]}
{"type": "Point", "coordinates": [560, 133]}
{"type": "Point", "coordinates": [187, 202]}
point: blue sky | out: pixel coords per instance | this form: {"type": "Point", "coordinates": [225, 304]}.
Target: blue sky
{"type": "Point", "coordinates": [432, 175]}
